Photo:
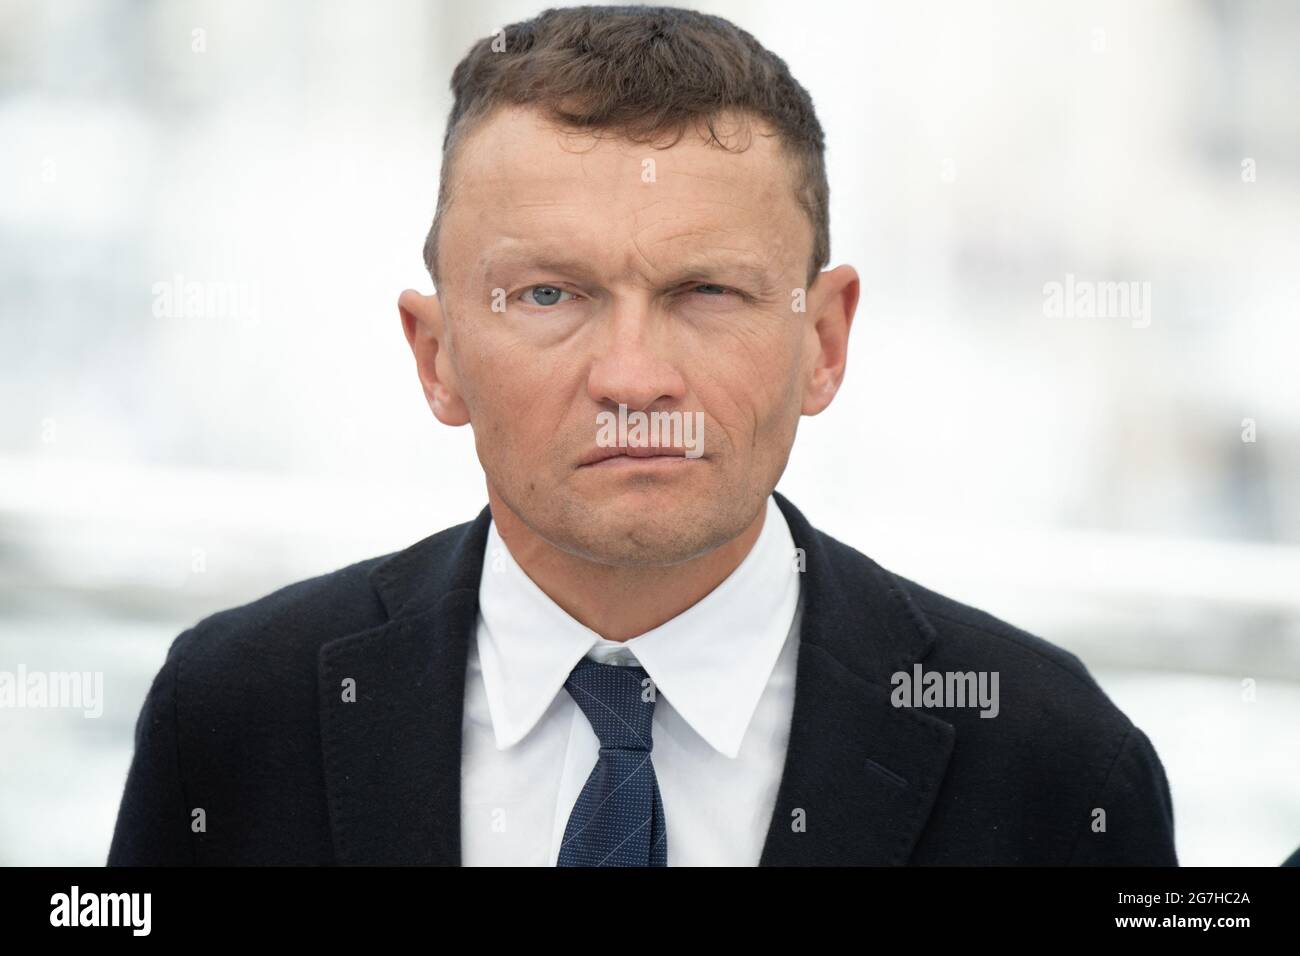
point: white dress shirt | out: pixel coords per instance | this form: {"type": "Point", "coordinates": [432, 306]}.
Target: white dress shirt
{"type": "Point", "coordinates": [724, 673]}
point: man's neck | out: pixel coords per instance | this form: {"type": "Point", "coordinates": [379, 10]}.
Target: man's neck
{"type": "Point", "coordinates": [619, 603]}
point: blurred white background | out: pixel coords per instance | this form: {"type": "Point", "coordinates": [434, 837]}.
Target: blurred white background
{"type": "Point", "coordinates": [1086, 479]}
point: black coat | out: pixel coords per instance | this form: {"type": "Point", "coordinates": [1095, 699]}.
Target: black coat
{"type": "Point", "coordinates": [246, 722]}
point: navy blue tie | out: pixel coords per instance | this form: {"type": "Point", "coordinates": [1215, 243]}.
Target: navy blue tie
{"type": "Point", "coordinates": [619, 817]}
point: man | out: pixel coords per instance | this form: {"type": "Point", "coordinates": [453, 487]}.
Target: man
{"type": "Point", "coordinates": [638, 654]}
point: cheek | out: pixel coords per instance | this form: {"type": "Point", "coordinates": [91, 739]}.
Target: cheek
{"type": "Point", "coordinates": [752, 408]}
{"type": "Point", "coordinates": [495, 373]}
{"type": "Point", "coordinates": [515, 395]}
{"type": "Point", "coordinates": [764, 368]}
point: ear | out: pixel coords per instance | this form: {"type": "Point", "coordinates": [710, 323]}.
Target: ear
{"type": "Point", "coordinates": [834, 299]}
{"type": "Point", "coordinates": [422, 321]}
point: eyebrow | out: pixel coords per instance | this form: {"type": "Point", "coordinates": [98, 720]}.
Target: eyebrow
{"type": "Point", "coordinates": [702, 267]}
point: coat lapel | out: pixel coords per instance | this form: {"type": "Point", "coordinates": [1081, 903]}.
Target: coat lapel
{"type": "Point", "coordinates": [392, 758]}
{"type": "Point", "coordinates": [860, 775]}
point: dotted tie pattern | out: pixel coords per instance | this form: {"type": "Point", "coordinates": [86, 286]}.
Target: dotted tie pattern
{"type": "Point", "coordinates": [619, 817]}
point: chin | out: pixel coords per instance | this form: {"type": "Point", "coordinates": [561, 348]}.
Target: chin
{"type": "Point", "coordinates": [627, 532]}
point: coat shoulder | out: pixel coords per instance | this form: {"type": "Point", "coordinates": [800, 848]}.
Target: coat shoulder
{"type": "Point", "coordinates": [313, 610]}
{"type": "Point", "coordinates": [278, 636]}
{"type": "Point", "coordinates": [1037, 677]}
{"type": "Point", "coordinates": [1060, 750]}
{"type": "Point", "coordinates": [965, 625]}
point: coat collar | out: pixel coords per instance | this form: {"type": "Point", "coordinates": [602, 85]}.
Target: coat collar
{"type": "Point", "coordinates": [860, 776]}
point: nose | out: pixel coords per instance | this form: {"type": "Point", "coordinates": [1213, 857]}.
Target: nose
{"type": "Point", "coordinates": [635, 367]}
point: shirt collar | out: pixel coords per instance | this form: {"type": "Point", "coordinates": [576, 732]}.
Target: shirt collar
{"type": "Point", "coordinates": [711, 662]}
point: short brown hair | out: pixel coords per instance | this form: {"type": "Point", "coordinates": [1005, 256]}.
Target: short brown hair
{"type": "Point", "coordinates": [642, 73]}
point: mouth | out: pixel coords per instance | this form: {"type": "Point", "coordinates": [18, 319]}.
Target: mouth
{"type": "Point", "coordinates": [633, 456]}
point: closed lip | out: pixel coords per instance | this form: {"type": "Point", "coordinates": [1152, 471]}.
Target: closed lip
{"type": "Point", "coordinates": [597, 455]}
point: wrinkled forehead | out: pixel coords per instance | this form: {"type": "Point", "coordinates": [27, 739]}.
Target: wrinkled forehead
{"type": "Point", "coordinates": [521, 180]}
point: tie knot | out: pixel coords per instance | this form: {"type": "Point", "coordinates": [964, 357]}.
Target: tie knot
{"type": "Point", "coordinates": [619, 703]}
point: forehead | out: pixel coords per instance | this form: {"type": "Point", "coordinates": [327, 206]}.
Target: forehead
{"type": "Point", "coordinates": [519, 179]}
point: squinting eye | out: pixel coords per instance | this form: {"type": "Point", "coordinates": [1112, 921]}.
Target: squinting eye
{"type": "Point", "coordinates": [706, 285]}
{"type": "Point", "coordinates": [545, 294]}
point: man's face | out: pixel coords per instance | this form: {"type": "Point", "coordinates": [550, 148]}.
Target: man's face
{"type": "Point", "coordinates": [660, 279]}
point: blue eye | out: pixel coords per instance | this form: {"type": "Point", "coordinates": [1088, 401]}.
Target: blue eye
{"type": "Point", "coordinates": [545, 294]}
{"type": "Point", "coordinates": [708, 285]}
